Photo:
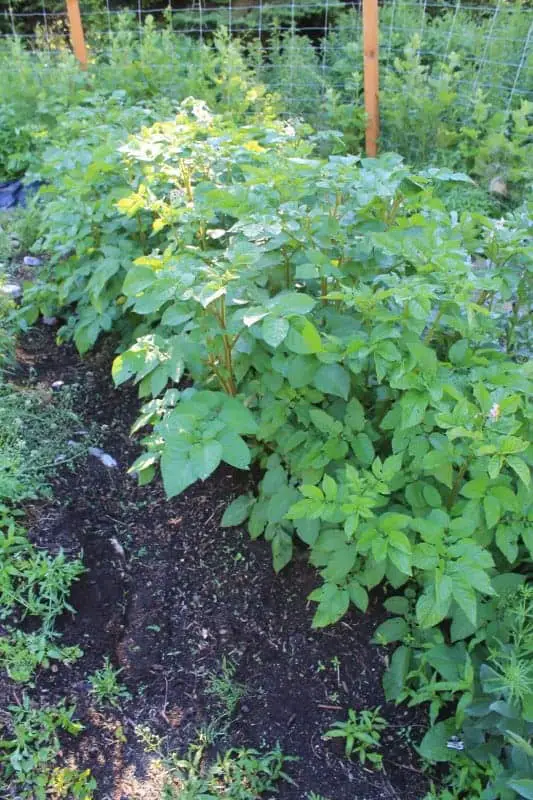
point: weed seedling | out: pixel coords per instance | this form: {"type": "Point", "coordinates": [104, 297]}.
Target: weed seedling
{"type": "Point", "coordinates": [29, 747]}
{"type": "Point", "coordinates": [336, 664]}
{"type": "Point", "coordinates": [362, 734]}
{"type": "Point", "coordinates": [106, 688]}
{"type": "Point", "coordinates": [227, 693]}
{"type": "Point", "coordinates": [237, 774]}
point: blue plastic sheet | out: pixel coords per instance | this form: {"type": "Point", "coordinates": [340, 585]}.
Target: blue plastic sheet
{"type": "Point", "coordinates": [15, 193]}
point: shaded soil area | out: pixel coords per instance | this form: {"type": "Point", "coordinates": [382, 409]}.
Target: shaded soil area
{"type": "Point", "coordinates": [168, 594]}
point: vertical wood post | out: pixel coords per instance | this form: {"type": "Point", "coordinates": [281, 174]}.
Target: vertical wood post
{"type": "Point", "coordinates": [371, 74]}
{"type": "Point", "coordinates": [77, 36]}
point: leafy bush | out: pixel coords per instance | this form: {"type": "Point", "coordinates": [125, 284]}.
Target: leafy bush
{"type": "Point", "coordinates": [44, 95]}
{"type": "Point", "coordinates": [425, 118]}
{"type": "Point", "coordinates": [344, 330]}
{"type": "Point", "coordinates": [441, 102]}
{"type": "Point", "coordinates": [36, 90]}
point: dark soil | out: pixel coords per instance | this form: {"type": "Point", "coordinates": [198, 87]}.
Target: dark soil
{"type": "Point", "coordinates": [168, 594]}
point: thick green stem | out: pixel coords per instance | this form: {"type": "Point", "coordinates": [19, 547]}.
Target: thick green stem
{"type": "Point", "coordinates": [202, 235]}
{"type": "Point", "coordinates": [338, 201]}
{"type": "Point", "coordinates": [431, 332]}
{"type": "Point", "coordinates": [220, 378]}
{"type": "Point", "coordinates": [457, 483]}
{"type": "Point", "coordinates": [396, 203]}
{"type": "Point", "coordinates": [509, 334]}
{"type": "Point", "coordinates": [228, 357]}
{"type": "Point", "coordinates": [141, 231]}
{"type": "Point", "coordinates": [288, 274]}
{"type": "Point", "coordinates": [324, 290]}
{"type": "Point", "coordinates": [227, 344]}
{"type": "Point", "coordinates": [186, 179]}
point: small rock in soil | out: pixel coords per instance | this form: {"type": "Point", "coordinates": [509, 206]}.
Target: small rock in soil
{"type": "Point", "coordinates": [57, 385]}
{"type": "Point", "coordinates": [32, 261]}
{"type": "Point", "coordinates": [11, 290]}
{"type": "Point", "coordinates": [104, 458]}
{"type": "Point", "coordinates": [117, 547]}
{"type": "Point", "coordinates": [51, 321]}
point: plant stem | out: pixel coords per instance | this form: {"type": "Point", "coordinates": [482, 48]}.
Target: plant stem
{"type": "Point", "coordinates": [396, 203]}
{"type": "Point", "coordinates": [288, 276]}
{"type": "Point", "coordinates": [228, 355]}
{"type": "Point", "coordinates": [324, 290]}
{"type": "Point", "coordinates": [457, 483]}
{"type": "Point", "coordinates": [509, 333]}
{"type": "Point", "coordinates": [338, 201]}
{"type": "Point", "coordinates": [141, 231]}
{"type": "Point", "coordinates": [431, 332]}
{"type": "Point", "coordinates": [186, 178]}
{"type": "Point", "coordinates": [216, 372]}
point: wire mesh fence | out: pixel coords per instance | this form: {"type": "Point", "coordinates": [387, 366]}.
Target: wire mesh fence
{"type": "Point", "coordinates": [452, 58]}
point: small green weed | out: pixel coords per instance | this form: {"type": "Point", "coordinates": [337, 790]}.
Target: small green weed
{"type": "Point", "coordinates": [509, 671]}
{"type": "Point", "coordinates": [32, 584]}
{"type": "Point", "coordinates": [466, 780]}
{"type": "Point", "coordinates": [66, 782]}
{"type": "Point", "coordinates": [362, 734]}
{"type": "Point", "coordinates": [29, 747]}
{"type": "Point", "coordinates": [35, 439]}
{"type": "Point", "coordinates": [106, 688]}
{"type": "Point", "coordinates": [22, 653]}
{"type": "Point", "coordinates": [226, 692]}
{"type": "Point", "coordinates": [237, 774]}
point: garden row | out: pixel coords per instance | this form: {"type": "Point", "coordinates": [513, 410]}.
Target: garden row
{"type": "Point", "coordinates": [365, 347]}
{"type": "Point", "coordinates": [356, 328]}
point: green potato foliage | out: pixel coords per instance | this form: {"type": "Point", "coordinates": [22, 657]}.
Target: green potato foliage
{"type": "Point", "coordinates": [368, 349]}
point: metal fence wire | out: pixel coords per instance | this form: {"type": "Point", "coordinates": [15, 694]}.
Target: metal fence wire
{"type": "Point", "coordinates": [439, 51]}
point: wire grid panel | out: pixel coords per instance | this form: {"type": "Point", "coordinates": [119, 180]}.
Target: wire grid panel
{"type": "Point", "coordinates": [35, 22]}
{"type": "Point", "coordinates": [307, 48]}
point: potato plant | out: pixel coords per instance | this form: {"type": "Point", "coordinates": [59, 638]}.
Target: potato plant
{"type": "Point", "coordinates": [366, 348]}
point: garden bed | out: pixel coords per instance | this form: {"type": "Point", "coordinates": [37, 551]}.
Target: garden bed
{"type": "Point", "coordinates": [169, 594]}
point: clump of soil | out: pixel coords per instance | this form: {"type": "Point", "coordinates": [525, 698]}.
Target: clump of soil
{"type": "Point", "coordinates": [168, 594]}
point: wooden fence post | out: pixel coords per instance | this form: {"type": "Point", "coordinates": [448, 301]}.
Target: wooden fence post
{"type": "Point", "coordinates": [77, 36]}
{"type": "Point", "coordinates": [371, 74]}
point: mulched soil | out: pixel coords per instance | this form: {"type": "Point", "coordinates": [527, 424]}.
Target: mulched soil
{"type": "Point", "coordinates": [168, 594]}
